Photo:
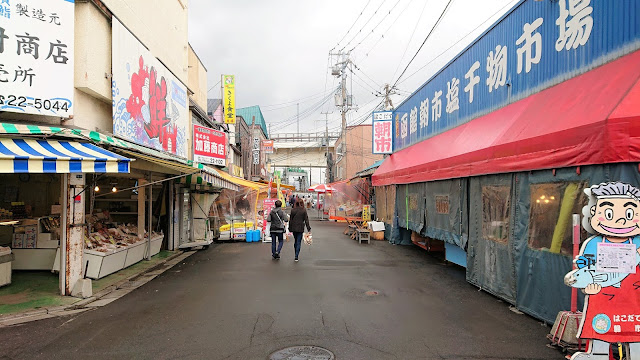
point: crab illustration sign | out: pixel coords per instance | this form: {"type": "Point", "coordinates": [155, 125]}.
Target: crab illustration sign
{"type": "Point", "coordinates": [607, 270]}
{"type": "Point", "coordinates": [149, 102]}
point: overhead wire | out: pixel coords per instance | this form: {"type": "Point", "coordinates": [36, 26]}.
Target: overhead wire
{"type": "Point", "coordinates": [425, 40]}
{"type": "Point", "coordinates": [389, 28]}
{"type": "Point", "coordinates": [363, 26]}
{"type": "Point", "coordinates": [375, 27]}
{"type": "Point", "coordinates": [351, 27]}
{"type": "Point", "coordinates": [457, 42]}
{"type": "Point", "coordinates": [410, 38]}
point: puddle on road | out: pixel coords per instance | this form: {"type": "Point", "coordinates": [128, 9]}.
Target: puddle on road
{"type": "Point", "coordinates": [306, 352]}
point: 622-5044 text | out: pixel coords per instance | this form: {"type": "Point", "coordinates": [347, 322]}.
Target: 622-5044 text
{"type": "Point", "coordinates": [23, 101]}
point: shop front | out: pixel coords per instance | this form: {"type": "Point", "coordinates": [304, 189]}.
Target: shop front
{"type": "Point", "coordinates": [42, 215]}
{"type": "Point", "coordinates": [497, 173]}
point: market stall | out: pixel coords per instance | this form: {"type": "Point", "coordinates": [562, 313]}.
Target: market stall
{"type": "Point", "coordinates": [346, 200]}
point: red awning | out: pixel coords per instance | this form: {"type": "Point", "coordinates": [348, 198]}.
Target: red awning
{"type": "Point", "coordinates": [593, 118]}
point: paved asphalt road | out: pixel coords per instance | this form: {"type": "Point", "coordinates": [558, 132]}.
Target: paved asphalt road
{"type": "Point", "coordinates": [233, 301]}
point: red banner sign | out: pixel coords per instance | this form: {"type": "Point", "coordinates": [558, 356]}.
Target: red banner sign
{"type": "Point", "coordinates": [209, 146]}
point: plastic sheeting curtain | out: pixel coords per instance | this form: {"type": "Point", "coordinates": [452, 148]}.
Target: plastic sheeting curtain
{"type": "Point", "coordinates": [201, 209]}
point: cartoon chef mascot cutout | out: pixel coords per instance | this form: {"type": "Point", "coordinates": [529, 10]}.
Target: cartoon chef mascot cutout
{"type": "Point", "coordinates": [607, 271]}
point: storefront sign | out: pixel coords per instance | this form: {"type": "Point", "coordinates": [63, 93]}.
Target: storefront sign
{"type": "Point", "coordinates": [382, 133]}
{"type": "Point", "coordinates": [209, 146]}
{"type": "Point", "coordinates": [229, 98]}
{"type": "Point", "coordinates": [149, 103]}
{"type": "Point", "coordinates": [256, 158]}
{"type": "Point", "coordinates": [366, 212]}
{"type": "Point", "coordinates": [267, 146]}
{"type": "Point", "coordinates": [36, 65]}
{"type": "Point", "coordinates": [535, 46]}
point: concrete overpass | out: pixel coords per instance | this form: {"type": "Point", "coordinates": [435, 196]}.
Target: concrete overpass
{"type": "Point", "coordinates": [304, 151]}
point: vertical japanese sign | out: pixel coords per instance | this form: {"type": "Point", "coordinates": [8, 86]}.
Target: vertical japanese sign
{"type": "Point", "coordinates": [382, 137]}
{"type": "Point", "coordinates": [256, 151]}
{"type": "Point", "coordinates": [366, 212]}
{"type": "Point", "coordinates": [36, 57]}
{"type": "Point", "coordinates": [209, 146]}
{"type": "Point", "coordinates": [229, 98]}
{"type": "Point", "coordinates": [149, 103]}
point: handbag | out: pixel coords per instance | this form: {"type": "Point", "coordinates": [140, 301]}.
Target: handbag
{"type": "Point", "coordinates": [307, 238]}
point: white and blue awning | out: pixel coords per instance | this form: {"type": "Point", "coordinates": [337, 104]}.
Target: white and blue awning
{"type": "Point", "coordinates": [57, 156]}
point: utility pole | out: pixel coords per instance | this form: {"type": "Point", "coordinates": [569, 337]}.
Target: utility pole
{"type": "Point", "coordinates": [326, 152]}
{"type": "Point", "coordinates": [298, 117]}
{"type": "Point", "coordinates": [388, 104]}
{"type": "Point", "coordinates": [340, 70]}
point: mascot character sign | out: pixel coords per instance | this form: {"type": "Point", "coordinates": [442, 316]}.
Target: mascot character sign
{"type": "Point", "coordinates": [607, 271]}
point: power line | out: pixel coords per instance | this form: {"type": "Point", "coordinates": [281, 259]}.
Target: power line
{"type": "Point", "coordinates": [293, 102]}
{"type": "Point", "coordinates": [389, 28]}
{"type": "Point", "coordinates": [409, 42]}
{"type": "Point", "coordinates": [352, 25]}
{"type": "Point", "coordinates": [457, 42]}
{"type": "Point", "coordinates": [425, 40]}
{"type": "Point", "coordinates": [363, 26]}
{"type": "Point", "coordinates": [218, 83]}
{"type": "Point", "coordinates": [375, 27]}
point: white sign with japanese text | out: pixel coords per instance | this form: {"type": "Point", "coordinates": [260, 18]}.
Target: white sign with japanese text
{"type": "Point", "coordinates": [209, 146]}
{"type": "Point", "coordinates": [36, 57]}
{"type": "Point", "coordinates": [618, 258]}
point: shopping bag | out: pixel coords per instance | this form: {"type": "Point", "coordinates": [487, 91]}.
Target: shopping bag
{"type": "Point", "coordinates": [307, 238]}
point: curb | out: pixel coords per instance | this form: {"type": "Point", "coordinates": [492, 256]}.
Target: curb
{"type": "Point", "coordinates": [81, 305]}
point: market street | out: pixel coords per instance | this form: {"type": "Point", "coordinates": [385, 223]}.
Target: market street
{"type": "Point", "coordinates": [232, 301]}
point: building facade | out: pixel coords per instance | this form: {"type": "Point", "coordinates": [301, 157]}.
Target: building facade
{"type": "Point", "coordinates": [354, 154]}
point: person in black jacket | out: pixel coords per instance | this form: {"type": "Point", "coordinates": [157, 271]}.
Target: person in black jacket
{"type": "Point", "coordinates": [277, 218]}
{"type": "Point", "coordinates": [299, 219]}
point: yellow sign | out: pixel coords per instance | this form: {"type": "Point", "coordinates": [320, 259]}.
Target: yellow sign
{"type": "Point", "coordinates": [237, 171]}
{"type": "Point", "coordinates": [366, 212]}
{"type": "Point", "coordinates": [229, 98]}
{"type": "Point", "coordinates": [280, 194]}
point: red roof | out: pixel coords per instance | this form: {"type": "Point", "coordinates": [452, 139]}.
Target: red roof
{"type": "Point", "coordinates": [593, 118]}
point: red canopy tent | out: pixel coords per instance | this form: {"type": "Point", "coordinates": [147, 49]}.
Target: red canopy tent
{"type": "Point", "coordinates": [593, 118]}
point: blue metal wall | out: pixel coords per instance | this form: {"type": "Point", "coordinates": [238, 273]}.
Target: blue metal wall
{"type": "Point", "coordinates": [615, 32]}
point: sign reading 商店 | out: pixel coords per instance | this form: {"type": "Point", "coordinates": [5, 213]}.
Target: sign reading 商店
{"type": "Point", "coordinates": [36, 57]}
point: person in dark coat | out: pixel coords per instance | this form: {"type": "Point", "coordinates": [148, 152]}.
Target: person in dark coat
{"type": "Point", "coordinates": [277, 218]}
{"type": "Point", "coordinates": [299, 219]}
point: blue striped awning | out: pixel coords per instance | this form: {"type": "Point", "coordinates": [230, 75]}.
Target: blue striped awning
{"type": "Point", "coordinates": [57, 156]}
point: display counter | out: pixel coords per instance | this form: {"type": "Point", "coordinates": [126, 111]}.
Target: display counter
{"type": "Point", "coordinates": [6, 257]}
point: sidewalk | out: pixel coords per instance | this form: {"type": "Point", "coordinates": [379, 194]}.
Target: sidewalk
{"type": "Point", "coordinates": [34, 295]}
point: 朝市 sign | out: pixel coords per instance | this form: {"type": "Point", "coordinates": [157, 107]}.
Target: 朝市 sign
{"type": "Point", "coordinates": [36, 57]}
{"type": "Point", "coordinates": [150, 105]}
{"type": "Point", "coordinates": [382, 132]}
{"type": "Point", "coordinates": [534, 46]}
{"type": "Point", "coordinates": [209, 146]}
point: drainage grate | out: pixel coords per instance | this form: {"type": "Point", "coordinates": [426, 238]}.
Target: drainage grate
{"type": "Point", "coordinates": [304, 352]}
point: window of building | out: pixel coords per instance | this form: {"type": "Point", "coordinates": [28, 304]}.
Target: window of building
{"type": "Point", "coordinates": [550, 219]}
{"type": "Point", "coordinates": [495, 212]}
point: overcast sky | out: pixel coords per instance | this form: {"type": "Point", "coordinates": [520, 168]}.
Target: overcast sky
{"type": "Point", "coordinates": [278, 50]}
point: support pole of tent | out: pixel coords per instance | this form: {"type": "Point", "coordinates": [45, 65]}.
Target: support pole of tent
{"type": "Point", "coordinates": [576, 250]}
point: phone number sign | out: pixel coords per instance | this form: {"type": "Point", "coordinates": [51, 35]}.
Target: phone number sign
{"type": "Point", "coordinates": [209, 146]}
{"type": "Point", "coordinates": [36, 57]}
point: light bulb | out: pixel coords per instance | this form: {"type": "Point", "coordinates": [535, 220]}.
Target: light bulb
{"type": "Point", "coordinates": [96, 189]}
{"type": "Point", "coordinates": [113, 189]}
{"type": "Point", "coordinates": [553, 198]}
{"type": "Point", "coordinates": [542, 197]}
{"type": "Point", "coordinates": [546, 201]}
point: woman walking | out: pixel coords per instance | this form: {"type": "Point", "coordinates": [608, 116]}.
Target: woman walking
{"type": "Point", "coordinates": [299, 219]}
{"type": "Point", "coordinates": [277, 218]}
